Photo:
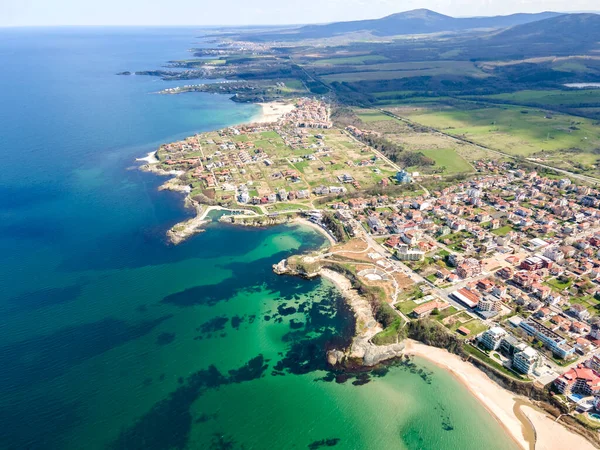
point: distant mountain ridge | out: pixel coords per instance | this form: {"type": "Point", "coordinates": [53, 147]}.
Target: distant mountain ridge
{"type": "Point", "coordinates": [418, 21]}
{"type": "Point", "coordinates": [579, 27]}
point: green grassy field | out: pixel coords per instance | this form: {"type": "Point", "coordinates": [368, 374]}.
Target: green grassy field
{"type": "Point", "coordinates": [279, 207]}
{"type": "Point", "coordinates": [448, 158]}
{"type": "Point", "coordinates": [360, 59]}
{"type": "Point", "coordinates": [375, 75]}
{"type": "Point", "coordinates": [550, 97]}
{"type": "Point", "coordinates": [370, 115]}
{"type": "Point", "coordinates": [475, 326]}
{"type": "Point", "coordinates": [511, 129]}
{"type": "Point", "coordinates": [293, 86]}
{"type": "Point", "coordinates": [502, 231]}
{"type": "Point", "coordinates": [271, 135]}
{"type": "Point", "coordinates": [395, 70]}
{"type": "Point", "coordinates": [406, 307]}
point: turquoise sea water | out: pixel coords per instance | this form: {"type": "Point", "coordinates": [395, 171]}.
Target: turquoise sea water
{"type": "Point", "coordinates": [109, 338]}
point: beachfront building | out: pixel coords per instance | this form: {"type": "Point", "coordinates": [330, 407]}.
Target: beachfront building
{"type": "Point", "coordinates": [597, 402]}
{"type": "Point", "coordinates": [553, 341]}
{"type": "Point", "coordinates": [579, 380]}
{"type": "Point", "coordinates": [526, 360]}
{"type": "Point", "coordinates": [509, 346]}
{"type": "Point", "coordinates": [492, 338]}
{"type": "Point", "coordinates": [243, 197]}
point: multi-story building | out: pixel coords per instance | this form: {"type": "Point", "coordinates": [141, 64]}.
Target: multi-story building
{"type": "Point", "coordinates": [555, 342]}
{"type": "Point", "coordinates": [579, 380]}
{"type": "Point", "coordinates": [470, 267]}
{"type": "Point", "coordinates": [406, 254]}
{"type": "Point", "coordinates": [526, 360]}
{"type": "Point", "coordinates": [509, 345]}
{"type": "Point", "coordinates": [376, 225]}
{"type": "Point", "coordinates": [579, 311]}
{"type": "Point", "coordinates": [595, 332]}
{"type": "Point", "coordinates": [492, 338]}
{"type": "Point", "coordinates": [593, 363]}
{"type": "Point", "coordinates": [536, 262]}
{"type": "Point", "coordinates": [489, 303]}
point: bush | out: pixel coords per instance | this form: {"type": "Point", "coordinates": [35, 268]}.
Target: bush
{"type": "Point", "coordinates": [392, 334]}
{"type": "Point", "coordinates": [432, 333]}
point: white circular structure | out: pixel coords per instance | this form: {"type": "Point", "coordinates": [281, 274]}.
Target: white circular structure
{"type": "Point", "coordinates": [373, 274]}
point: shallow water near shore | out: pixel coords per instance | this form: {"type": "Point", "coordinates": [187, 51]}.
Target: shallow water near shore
{"type": "Point", "coordinates": [111, 338]}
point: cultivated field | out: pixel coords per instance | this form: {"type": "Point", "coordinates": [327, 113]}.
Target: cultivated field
{"type": "Point", "coordinates": [451, 155]}
{"type": "Point", "coordinates": [395, 70]}
{"type": "Point", "coordinates": [579, 97]}
{"type": "Point", "coordinates": [514, 130]}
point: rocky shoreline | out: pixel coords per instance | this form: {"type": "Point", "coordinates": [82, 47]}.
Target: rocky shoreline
{"type": "Point", "coordinates": [362, 352]}
{"type": "Point", "coordinates": [270, 113]}
{"type": "Point", "coordinates": [183, 230]}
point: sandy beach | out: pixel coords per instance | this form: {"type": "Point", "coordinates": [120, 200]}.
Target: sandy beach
{"type": "Point", "coordinates": [316, 227]}
{"type": "Point", "coordinates": [552, 435]}
{"type": "Point", "coordinates": [501, 403]}
{"type": "Point", "coordinates": [273, 111]}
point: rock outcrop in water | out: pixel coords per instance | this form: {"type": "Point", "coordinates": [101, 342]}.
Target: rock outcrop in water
{"type": "Point", "coordinates": [362, 352]}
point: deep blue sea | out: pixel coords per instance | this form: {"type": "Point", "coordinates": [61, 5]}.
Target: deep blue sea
{"type": "Point", "coordinates": [110, 338]}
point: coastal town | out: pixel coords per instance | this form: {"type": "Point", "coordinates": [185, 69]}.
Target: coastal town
{"type": "Point", "coordinates": [509, 261]}
{"type": "Point", "coordinates": [280, 166]}
{"type": "Point", "coordinates": [327, 226]}
{"type": "Point", "coordinates": [506, 261]}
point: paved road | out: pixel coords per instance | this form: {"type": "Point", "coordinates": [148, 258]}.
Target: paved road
{"type": "Point", "coordinates": [415, 277]}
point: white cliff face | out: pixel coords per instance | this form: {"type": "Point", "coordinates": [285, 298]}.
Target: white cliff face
{"type": "Point", "coordinates": [374, 354]}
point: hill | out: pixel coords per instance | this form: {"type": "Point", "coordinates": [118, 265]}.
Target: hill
{"type": "Point", "coordinates": [569, 34]}
{"type": "Point", "coordinates": [418, 21]}
{"type": "Point", "coordinates": [572, 27]}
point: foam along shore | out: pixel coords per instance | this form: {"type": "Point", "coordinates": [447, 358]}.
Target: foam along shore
{"type": "Point", "coordinates": [502, 403]}
{"type": "Point", "coordinates": [273, 111]}
{"type": "Point", "coordinates": [150, 158]}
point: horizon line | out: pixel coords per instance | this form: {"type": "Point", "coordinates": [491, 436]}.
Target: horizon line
{"type": "Point", "coordinates": [272, 24]}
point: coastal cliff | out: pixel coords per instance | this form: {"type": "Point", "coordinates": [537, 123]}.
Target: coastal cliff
{"type": "Point", "coordinates": [362, 352]}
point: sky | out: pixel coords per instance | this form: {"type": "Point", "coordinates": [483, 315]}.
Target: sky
{"type": "Point", "coordinates": [252, 12]}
